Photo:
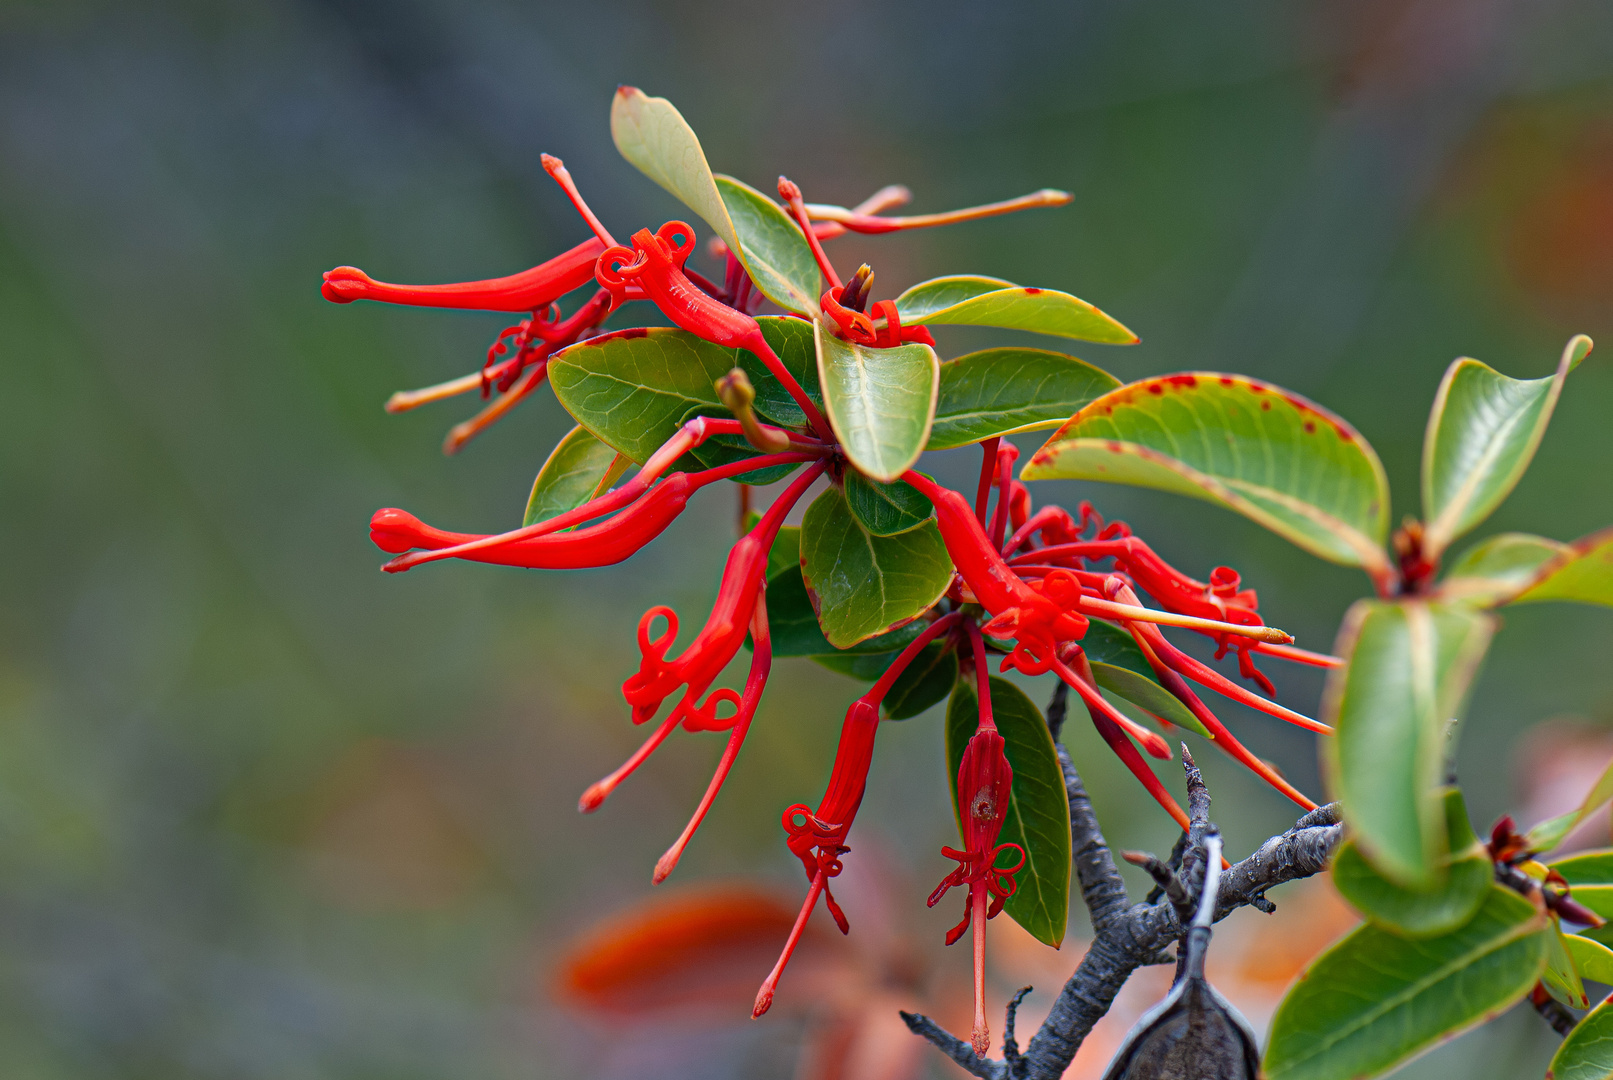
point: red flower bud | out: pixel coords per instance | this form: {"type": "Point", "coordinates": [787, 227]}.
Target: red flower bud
{"type": "Point", "coordinates": [529, 290]}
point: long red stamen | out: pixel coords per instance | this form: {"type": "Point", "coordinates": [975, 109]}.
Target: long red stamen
{"type": "Point", "coordinates": [1298, 655]}
{"type": "Point", "coordinates": [466, 430]}
{"type": "Point", "coordinates": [791, 194]}
{"type": "Point", "coordinates": [1152, 741]}
{"type": "Point", "coordinates": [764, 996]}
{"type": "Point", "coordinates": [867, 223]}
{"type": "Point", "coordinates": [557, 169]}
{"type": "Point", "coordinates": [892, 195]}
{"type": "Point", "coordinates": [1111, 733]}
{"type": "Point", "coordinates": [529, 290]}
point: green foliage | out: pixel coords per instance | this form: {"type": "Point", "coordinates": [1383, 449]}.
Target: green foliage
{"type": "Point", "coordinates": [771, 247]}
{"type": "Point", "coordinates": [792, 340]}
{"type": "Point", "coordinates": [1038, 818]}
{"type": "Point", "coordinates": [579, 468]}
{"type": "Point", "coordinates": [1482, 434]}
{"type": "Point", "coordinates": [1456, 894]}
{"type": "Point", "coordinates": [1587, 1051]}
{"type": "Point", "coordinates": [885, 509]}
{"type": "Point", "coordinates": [1583, 573]}
{"type": "Point", "coordinates": [866, 584]}
{"type": "Point", "coordinates": [1376, 999]}
{"type": "Point", "coordinates": [880, 401]}
{"type": "Point", "coordinates": [1409, 667]}
{"type": "Point", "coordinates": [1240, 443]}
{"type": "Point", "coordinates": [967, 300]}
{"type": "Point", "coordinates": [1003, 391]}
{"type": "Point", "coordinates": [1498, 569]}
{"type": "Point", "coordinates": [793, 623]}
{"type": "Point", "coordinates": [1119, 667]}
{"type": "Point", "coordinates": [1560, 976]}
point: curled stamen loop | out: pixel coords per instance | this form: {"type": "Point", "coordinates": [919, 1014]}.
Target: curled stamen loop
{"type": "Point", "coordinates": [656, 649]}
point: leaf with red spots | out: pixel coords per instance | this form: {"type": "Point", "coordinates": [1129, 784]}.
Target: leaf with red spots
{"type": "Point", "coordinates": [1285, 462]}
{"type": "Point", "coordinates": [968, 300]}
{"type": "Point", "coordinates": [1482, 434]}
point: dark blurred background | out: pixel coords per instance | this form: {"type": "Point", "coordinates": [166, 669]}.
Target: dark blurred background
{"type": "Point", "coordinates": [267, 813]}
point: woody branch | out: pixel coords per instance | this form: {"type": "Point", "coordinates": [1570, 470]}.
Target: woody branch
{"type": "Point", "coordinates": [1127, 936]}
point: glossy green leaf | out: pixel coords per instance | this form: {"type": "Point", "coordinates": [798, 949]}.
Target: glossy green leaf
{"type": "Point", "coordinates": [865, 584]}
{"type": "Point", "coordinates": [727, 449]}
{"type": "Point", "coordinates": [772, 247]}
{"type": "Point", "coordinates": [1482, 434]}
{"type": "Point", "coordinates": [926, 681]}
{"type": "Point", "coordinates": [1587, 1050]}
{"type": "Point", "coordinates": [631, 389]}
{"type": "Point", "coordinates": [1494, 570]}
{"type": "Point", "coordinates": [966, 300]}
{"type": "Point", "coordinates": [785, 554]}
{"type": "Point", "coordinates": [880, 401]}
{"type": "Point", "coordinates": [792, 623]}
{"type": "Point", "coordinates": [1003, 391]}
{"type": "Point", "coordinates": [1408, 668]}
{"type": "Point", "coordinates": [886, 509]}
{"type": "Point", "coordinates": [1038, 818]}
{"type": "Point", "coordinates": [1551, 832]}
{"type": "Point", "coordinates": [1119, 667]}
{"type": "Point", "coordinates": [1582, 573]}
{"type": "Point", "coordinates": [652, 134]}
{"type": "Point", "coordinates": [1438, 909]}
{"type": "Point", "coordinates": [579, 468]}
{"type": "Point", "coordinates": [1561, 975]}
{"type": "Point", "coordinates": [1592, 959]}
{"type": "Point", "coordinates": [1246, 445]}
{"type": "Point", "coordinates": [1375, 999]}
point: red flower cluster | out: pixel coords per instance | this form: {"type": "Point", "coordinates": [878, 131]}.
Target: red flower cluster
{"type": "Point", "coordinates": [1027, 584]}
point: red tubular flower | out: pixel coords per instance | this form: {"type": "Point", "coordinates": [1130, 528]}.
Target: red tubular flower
{"type": "Point", "coordinates": [700, 663]}
{"type": "Point", "coordinates": [655, 264]}
{"type": "Point", "coordinates": [818, 838]}
{"type": "Point", "coordinates": [530, 290]}
{"type": "Point", "coordinates": [985, 784]}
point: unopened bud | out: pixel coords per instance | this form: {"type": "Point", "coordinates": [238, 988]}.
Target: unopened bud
{"type": "Point", "coordinates": [737, 394]}
{"type": "Point", "coordinates": [855, 295]}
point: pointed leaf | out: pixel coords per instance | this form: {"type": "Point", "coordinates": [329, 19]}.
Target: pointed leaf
{"type": "Point", "coordinates": [1592, 959]}
{"type": "Point", "coordinates": [771, 247]}
{"type": "Point", "coordinates": [1494, 570]}
{"type": "Point", "coordinates": [1003, 391]}
{"type": "Point", "coordinates": [886, 509]}
{"type": "Point", "coordinates": [1408, 668]}
{"type": "Point", "coordinates": [1482, 434]}
{"type": "Point", "coordinates": [880, 401]}
{"type": "Point", "coordinates": [792, 340]}
{"type": "Point", "coordinates": [580, 467]}
{"type": "Point", "coordinates": [862, 584]}
{"type": "Point", "coordinates": [1038, 817]}
{"type": "Point", "coordinates": [1250, 446]}
{"type": "Point", "coordinates": [1561, 976]}
{"type": "Point", "coordinates": [965, 300]}
{"type": "Point", "coordinates": [1375, 999]}
{"type": "Point", "coordinates": [792, 622]}
{"type": "Point", "coordinates": [1582, 572]}
{"type": "Point", "coordinates": [1421, 912]}
{"type": "Point", "coordinates": [1548, 834]}
{"type": "Point", "coordinates": [1590, 878]}
{"type": "Point", "coordinates": [928, 680]}
{"type": "Point", "coordinates": [1587, 1050]}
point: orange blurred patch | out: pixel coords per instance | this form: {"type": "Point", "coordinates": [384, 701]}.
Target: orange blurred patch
{"type": "Point", "coordinates": [1558, 762]}
{"type": "Point", "coordinates": [382, 838]}
{"type": "Point", "coordinates": [700, 947]}
{"type": "Point", "coordinates": [1559, 245]}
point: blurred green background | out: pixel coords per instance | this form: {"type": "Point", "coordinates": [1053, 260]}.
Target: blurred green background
{"type": "Point", "coordinates": [266, 812]}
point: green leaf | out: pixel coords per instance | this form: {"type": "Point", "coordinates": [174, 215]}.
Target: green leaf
{"type": "Point", "coordinates": [1407, 671]}
{"type": "Point", "coordinates": [1119, 667]}
{"type": "Point", "coordinates": [1494, 570]}
{"type": "Point", "coordinates": [1482, 434]}
{"type": "Point", "coordinates": [1561, 976]}
{"type": "Point", "coordinates": [1582, 572]}
{"type": "Point", "coordinates": [1548, 834]}
{"type": "Point", "coordinates": [631, 389]}
{"type": "Point", "coordinates": [880, 401]}
{"type": "Point", "coordinates": [1003, 391]}
{"type": "Point", "coordinates": [792, 623]}
{"type": "Point", "coordinates": [580, 467]}
{"type": "Point", "coordinates": [966, 300]}
{"type": "Point", "coordinates": [1376, 999]}
{"type": "Point", "coordinates": [1243, 444]}
{"type": "Point", "coordinates": [1592, 959]}
{"type": "Point", "coordinates": [1587, 1050]}
{"type": "Point", "coordinates": [1038, 818]}
{"type": "Point", "coordinates": [865, 584]}
{"type": "Point", "coordinates": [886, 509]}
{"type": "Point", "coordinates": [652, 134]}
{"type": "Point", "coordinates": [772, 247]}
{"type": "Point", "coordinates": [1421, 912]}
{"type": "Point", "coordinates": [1590, 877]}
